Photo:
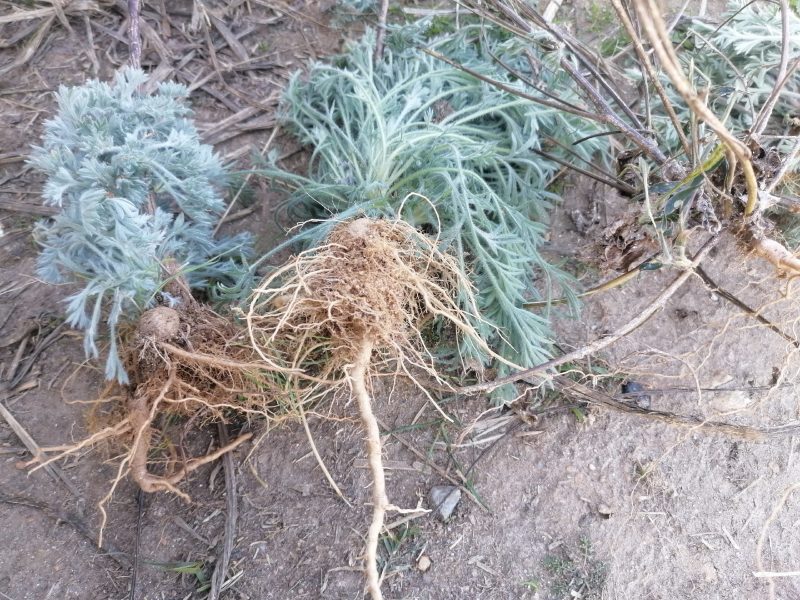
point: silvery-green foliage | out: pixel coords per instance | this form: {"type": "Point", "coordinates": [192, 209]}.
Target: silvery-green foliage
{"type": "Point", "coordinates": [357, 7]}
{"type": "Point", "coordinates": [135, 187]}
{"type": "Point", "coordinates": [411, 124]}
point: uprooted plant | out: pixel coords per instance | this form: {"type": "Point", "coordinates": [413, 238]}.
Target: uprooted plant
{"type": "Point", "coordinates": [139, 197]}
{"type": "Point", "coordinates": [352, 305]}
{"type": "Point", "coordinates": [480, 159]}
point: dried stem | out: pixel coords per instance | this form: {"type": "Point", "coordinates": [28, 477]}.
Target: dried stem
{"type": "Point", "coordinates": [603, 115]}
{"type": "Point", "coordinates": [555, 103]}
{"type": "Point", "coordinates": [616, 184]}
{"type": "Point", "coordinates": [644, 61]}
{"type": "Point", "coordinates": [382, 16]}
{"type": "Point", "coordinates": [604, 112]}
{"type": "Point", "coordinates": [545, 369]}
{"type": "Point", "coordinates": [134, 39]}
{"type": "Point", "coordinates": [606, 115]}
{"type": "Point", "coordinates": [527, 14]}
{"type": "Point", "coordinates": [653, 24]}
{"type": "Point", "coordinates": [231, 517]}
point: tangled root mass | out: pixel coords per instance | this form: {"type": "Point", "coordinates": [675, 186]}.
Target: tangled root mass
{"type": "Point", "coordinates": [372, 280]}
{"type": "Point", "coordinates": [335, 311]}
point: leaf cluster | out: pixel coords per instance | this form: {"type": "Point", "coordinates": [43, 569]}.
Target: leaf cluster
{"type": "Point", "coordinates": [137, 190]}
{"type": "Point", "coordinates": [410, 136]}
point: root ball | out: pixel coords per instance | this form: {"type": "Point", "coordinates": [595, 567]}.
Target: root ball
{"type": "Point", "coordinates": [333, 313]}
{"type": "Point", "coordinates": [372, 279]}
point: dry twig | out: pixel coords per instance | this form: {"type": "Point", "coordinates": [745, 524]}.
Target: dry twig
{"type": "Point", "coordinates": [134, 38]}
{"type": "Point", "coordinates": [382, 15]}
{"type": "Point", "coordinates": [545, 370]}
{"type": "Point", "coordinates": [231, 518]}
{"type": "Point", "coordinates": [644, 62]}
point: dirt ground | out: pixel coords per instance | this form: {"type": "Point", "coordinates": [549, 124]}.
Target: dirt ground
{"type": "Point", "coordinates": [574, 503]}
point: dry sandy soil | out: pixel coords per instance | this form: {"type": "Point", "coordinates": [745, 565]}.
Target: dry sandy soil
{"type": "Point", "coordinates": [575, 502]}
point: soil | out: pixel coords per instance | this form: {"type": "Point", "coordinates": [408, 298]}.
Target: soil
{"type": "Point", "coordinates": [576, 502]}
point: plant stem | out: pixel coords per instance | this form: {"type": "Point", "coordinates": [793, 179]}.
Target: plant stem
{"type": "Point", "coordinates": [382, 15]}
{"type": "Point", "coordinates": [653, 24]}
{"type": "Point", "coordinates": [644, 61]}
{"type": "Point", "coordinates": [379, 499]}
{"type": "Point", "coordinates": [135, 40]}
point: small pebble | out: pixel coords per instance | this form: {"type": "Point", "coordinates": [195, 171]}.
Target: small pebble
{"type": "Point", "coordinates": [605, 511]}
{"type": "Point", "coordinates": [423, 563]}
{"type": "Point", "coordinates": [635, 388]}
{"type": "Point", "coordinates": [444, 499]}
